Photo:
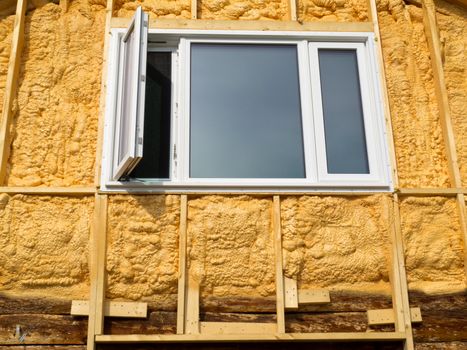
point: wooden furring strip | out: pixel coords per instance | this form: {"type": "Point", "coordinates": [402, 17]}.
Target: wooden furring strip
{"type": "Point", "coordinates": [11, 85]}
{"type": "Point", "coordinates": [98, 259]}
{"type": "Point", "coordinates": [181, 299]}
{"type": "Point", "coordinates": [280, 304]}
{"type": "Point", "coordinates": [111, 309]}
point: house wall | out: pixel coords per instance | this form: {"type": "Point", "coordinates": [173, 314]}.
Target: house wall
{"type": "Point", "coordinates": [340, 243]}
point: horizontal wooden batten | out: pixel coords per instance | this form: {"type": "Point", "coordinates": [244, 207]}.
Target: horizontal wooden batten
{"type": "Point", "coordinates": [431, 191]}
{"type": "Point", "coordinates": [166, 23]}
{"type": "Point", "coordinates": [237, 328]}
{"type": "Point", "coordinates": [386, 316]}
{"type": "Point", "coordinates": [112, 309]}
{"type": "Point", "coordinates": [313, 296]}
{"type": "Point", "coordinates": [218, 338]}
{"type": "Point", "coordinates": [64, 191]}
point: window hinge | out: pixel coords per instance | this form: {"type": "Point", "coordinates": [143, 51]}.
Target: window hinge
{"type": "Point", "coordinates": [175, 151]}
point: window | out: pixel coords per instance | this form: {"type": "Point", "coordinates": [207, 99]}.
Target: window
{"type": "Point", "coordinates": [243, 110]}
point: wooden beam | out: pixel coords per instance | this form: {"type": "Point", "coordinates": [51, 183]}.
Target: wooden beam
{"type": "Point", "coordinates": [463, 223]}
{"type": "Point", "coordinates": [64, 5]}
{"type": "Point", "coordinates": [103, 92]}
{"type": "Point", "coordinates": [386, 316]}
{"type": "Point", "coordinates": [11, 85]}
{"type": "Point", "coordinates": [293, 10]}
{"type": "Point", "coordinates": [278, 337]}
{"type": "Point", "coordinates": [280, 304]}
{"type": "Point", "coordinates": [203, 24]}
{"type": "Point", "coordinates": [291, 293]}
{"type": "Point", "coordinates": [399, 278]}
{"type": "Point", "coordinates": [194, 9]}
{"type": "Point", "coordinates": [446, 192]}
{"type": "Point", "coordinates": [60, 191]}
{"type": "Point", "coordinates": [192, 306]}
{"type": "Point", "coordinates": [181, 304]}
{"type": "Point", "coordinates": [219, 328]}
{"type": "Point", "coordinates": [97, 269]}
{"type": "Point", "coordinates": [313, 296]}
{"type": "Point", "coordinates": [112, 309]}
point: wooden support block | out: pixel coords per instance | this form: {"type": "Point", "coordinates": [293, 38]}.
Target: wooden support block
{"type": "Point", "coordinates": [313, 296]}
{"type": "Point", "coordinates": [386, 316]}
{"type": "Point", "coordinates": [111, 308]}
{"type": "Point", "coordinates": [291, 293]}
{"type": "Point", "coordinates": [192, 307]}
{"type": "Point", "coordinates": [181, 298]}
{"type": "Point", "coordinates": [237, 328]}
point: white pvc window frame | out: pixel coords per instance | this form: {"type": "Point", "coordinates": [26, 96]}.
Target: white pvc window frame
{"type": "Point", "coordinates": [135, 58]}
{"type": "Point", "coordinates": [317, 178]}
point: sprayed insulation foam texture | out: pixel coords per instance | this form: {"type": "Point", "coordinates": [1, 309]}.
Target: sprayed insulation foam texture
{"type": "Point", "coordinates": [333, 10]}
{"type": "Point", "coordinates": [433, 244]}
{"type": "Point", "coordinates": [337, 242]}
{"type": "Point", "coordinates": [142, 253]}
{"type": "Point", "coordinates": [421, 160]}
{"type": "Point", "coordinates": [44, 245]}
{"type": "Point", "coordinates": [6, 29]}
{"type": "Point", "coordinates": [230, 245]}
{"type": "Point", "coordinates": [453, 32]}
{"type": "Point", "coordinates": [55, 125]}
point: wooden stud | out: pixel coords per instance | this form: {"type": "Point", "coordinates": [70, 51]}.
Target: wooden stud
{"type": "Point", "coordinates": [181, 305]}
{"type": "Point", "coordinates": [111, 309]}
{"type": "Point", "coordinates": [203, 24]}
{"type": "Point", "coordinates": [219, 328]}
{"type": "Point", "coordinates": [56, 191]}
{"type": "Point", "coordinates": [103, 93]}
{"type": "Point", "coordinates": [278, 337]}
{"type": "Point", "coordinates": [400, 278]}
{"type": "Point", "coordinates": [11, 85]}
{"type": "Point", "coordinates": [434, 44]}
{"type": "Point", "coordinates": [192, 306]}
{"type": "Point", "coordinates": [293, 9]}
{"type": "Point", "coordinates": [373, 16]}
{"type": "Point", "coordinates": [313, 296]}
{"type": "Point", "coordinates": [386, 316]}
{"type": "Point", "coordinates": [64, 5]}
{"type": "Point", "coordinates": [276, 224]}
{"type": "Point", "coordinates": [98, 260]}
{"type": "Point", "coordinates": [194, 9]}
{"type": "Point", "coordinates": [291, 293]}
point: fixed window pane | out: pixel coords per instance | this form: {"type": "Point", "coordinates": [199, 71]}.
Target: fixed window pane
{"type": "Point", "coordinates": [245, 112]}
{"type": "Point", "coordinates": [156, 155]}
{"type": "Point", "coordinates": [346, 149]}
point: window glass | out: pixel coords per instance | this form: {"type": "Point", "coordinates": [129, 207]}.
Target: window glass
{"type": "Point", "coordinates": [157, 112]}
{"type": "Point", "coordinates": [346, 149]}
{"type": "Point", "coordinates": [245, 112]}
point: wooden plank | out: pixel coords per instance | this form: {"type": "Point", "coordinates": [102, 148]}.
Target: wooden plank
{"type": "Point", "coordinates": [218, 328]}
{"type": "Point", "coordinates": [373, 16]}
{"type": "Point", "coordinates": [64, 5]}
{"type": "Point", "coordinates": [399, 278]}
{"type": "Point", "coordinates": [112, 309]}
{"type": "Point", "coordinates": [313, 296]}
{"type": "Point", "coordinates": [280, 304]}
{"type": "Point", "coordinates": [286, 337]}
{"type": "Point", "coordinates": [203, 24]}
{"type": "Point", "coordinates": [446, 192]}
{"type": "Point", "coordinates": [293, 10]}
{"type": "Point", "coordinates": [11, 85]}
{"type": "Point", "coordinates": [194, 9]}
{"type": "Point", "coordinates": [42, 329]}
{"type": "Point", "coordinates": [291, 293]}
{"type": "Point", "coordinates": [455, 345]}
{"type": "Point", "coordinates": [103, 92]}
{"type": "Point", "coordinates": [181, 305]}
{"type": "Point", "coordinates": [386, 316]}
{"type": "Point", "coordinates": [97, 270]}
{"type": "Point", "coordinates": [192, 306]}
{"type": "Point", "coordinates": [463, 223]}
{"type": "Point", "coordinates": [61, 191]}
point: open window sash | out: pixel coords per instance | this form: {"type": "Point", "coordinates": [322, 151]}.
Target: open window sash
{"type": "Point", "coordinates": [129, 127]}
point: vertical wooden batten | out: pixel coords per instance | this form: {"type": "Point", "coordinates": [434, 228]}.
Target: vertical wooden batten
{"type": "Point", "coordinates": [64, 5]}
{"type": "Point", "coordinates": [194, 9]}
{"type": "Point", "coordinates": [181, 303]}
{"type": "Point", "coordinates": [280, 303]}
{"type": "Point", "coordinates": [434, 45]}
{"type": "Point", "coordinates": [293, 9]}
{"type": "Point", "coordinates": [11, 86]}
{"type": "Point", "coordinates": [97, 276]}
